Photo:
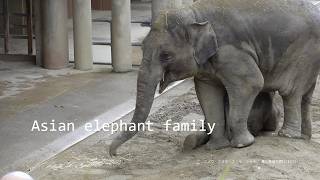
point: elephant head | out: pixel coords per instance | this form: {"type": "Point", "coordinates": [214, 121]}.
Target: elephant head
{"type": "Point", "coordinates": [173, 50]}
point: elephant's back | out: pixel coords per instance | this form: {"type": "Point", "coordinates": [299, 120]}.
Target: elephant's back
{"type": "Point", "coordinates": [280, 22]}
{"type": "Point", "coordinates": [301, 9]}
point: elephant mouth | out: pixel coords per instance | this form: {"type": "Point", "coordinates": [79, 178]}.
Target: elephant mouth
{"type": "Point", "coordinates": [163, 83]}
{"type": "Point", "coordinates": [167, 79]}
{"type": "Point", "coordinates": [162, 87]}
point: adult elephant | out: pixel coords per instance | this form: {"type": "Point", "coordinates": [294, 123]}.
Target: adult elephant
{"type": "Point", "coordinates": [239, 48]}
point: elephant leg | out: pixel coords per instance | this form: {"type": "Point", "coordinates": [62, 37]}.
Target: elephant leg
{"type": "Point", "coordinates": [271, 123]}
{"type": "Point", "coordinates": [273, 116]}
{"type": "Point", "coordinates": [306, 127]}
{"type": "Point", "coordinates": [264, 115]}
{"type": "Point", "coordinates": [259, 113]}
{"type": "Point", "coordinates": [195, 140]}
{"type": "Point", "coordinates": [240, 106]}
{"type": "Point", "coordinates": [243, 81]}
{"type": "Point", "coordinates": [292, 117]}
{"type": "Point", "coordinates": [211, 98]}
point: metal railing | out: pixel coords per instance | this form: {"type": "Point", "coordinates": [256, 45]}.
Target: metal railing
{"type": "Point", "coordinates": [143, 23]}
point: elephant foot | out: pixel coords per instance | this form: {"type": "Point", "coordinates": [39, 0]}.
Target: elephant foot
{"type": "Point", "coordinates": [217, 143]}
{"type": "Point", "coordinates": [242, 140]}
{"type": "Point", "coordinates": [195, 140]}
{"type": "Point", "coordinates": [306, 133]}
{"type": "Point", "coordinates": [289, 132]}
{"type": "Point", "coordinates": [306, 137]}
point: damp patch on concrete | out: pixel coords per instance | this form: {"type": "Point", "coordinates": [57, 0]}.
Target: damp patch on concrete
{"type": "Point", "coordinates": [18, 77]}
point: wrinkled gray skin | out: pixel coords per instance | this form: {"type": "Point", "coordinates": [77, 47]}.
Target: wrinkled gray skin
{"type": "Point", "coordinates": [264, 116]}
{"type": "Point", "coordinates": [241, 48]}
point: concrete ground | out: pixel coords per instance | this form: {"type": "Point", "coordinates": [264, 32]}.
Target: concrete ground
{"type": "Point", "coordinates": [157, 154]}
{"type": "Point", "coordinates": [29, 93]}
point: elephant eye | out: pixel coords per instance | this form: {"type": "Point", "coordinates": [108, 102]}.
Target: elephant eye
{"type": "Point", "coordinates": [165, 57]}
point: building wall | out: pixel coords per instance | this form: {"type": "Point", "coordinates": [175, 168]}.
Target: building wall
{"type": "Point", "coordinates": [95, 4]}
{"type": "Point", "coordinates": [15, 6]}
{"type": "Point", "coordinates": [101, 4]}
{"type": "Point", "coordinates": [1, 18]}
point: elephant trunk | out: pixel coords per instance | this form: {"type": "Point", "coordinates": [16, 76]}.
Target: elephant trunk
{"type": "Point", "coordinates": [146, 87]}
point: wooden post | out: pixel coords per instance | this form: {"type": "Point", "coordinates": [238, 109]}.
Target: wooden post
{"type": "Point", "coordinates": [6, 26]}
{"type": "Point", "coordinates": [29, 26]}
{"type": "Point", "coordinates": [38, 31]}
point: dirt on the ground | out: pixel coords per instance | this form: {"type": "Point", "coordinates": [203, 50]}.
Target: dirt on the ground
{"type": "Point", "coordinates": [158, 154]}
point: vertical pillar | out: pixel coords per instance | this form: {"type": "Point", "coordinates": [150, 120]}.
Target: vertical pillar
{"type": "Point", "coordinates": [121, 36]}
{"type": "Point", "coordinates": [159, 5]}
{"type": "Point", "coordinates": [54, 34]}
{"type": "Point", "coordinates": [82, 30]}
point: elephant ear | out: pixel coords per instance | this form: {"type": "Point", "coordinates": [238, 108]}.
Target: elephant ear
{"type": "Point", "coordinates": [203, 39]}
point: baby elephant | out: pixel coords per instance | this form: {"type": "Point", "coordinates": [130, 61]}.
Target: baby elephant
{"type": "Point", "coordinates": [241, 48]}
{"type": "Point", "coordinates": [264, 117]}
